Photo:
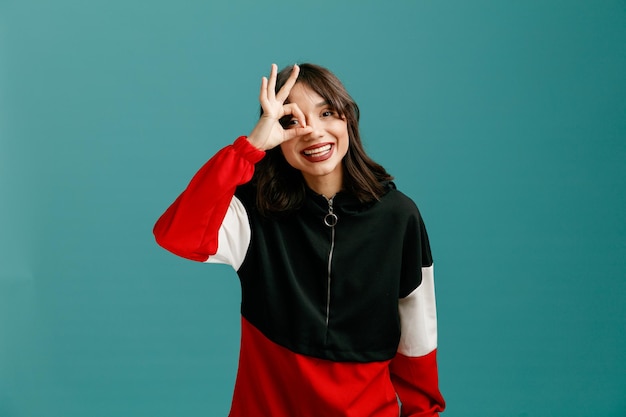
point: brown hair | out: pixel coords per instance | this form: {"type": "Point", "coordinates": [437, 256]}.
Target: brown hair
{"type": "Point", "coordinates": [280, 187]}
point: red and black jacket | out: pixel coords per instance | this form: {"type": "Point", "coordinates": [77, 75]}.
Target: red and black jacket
{"type": "Point", "coordinates": [338, 307]}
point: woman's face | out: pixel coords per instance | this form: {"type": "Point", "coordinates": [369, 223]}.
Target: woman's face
{"type": "Point", "coordinates": [318, 154]}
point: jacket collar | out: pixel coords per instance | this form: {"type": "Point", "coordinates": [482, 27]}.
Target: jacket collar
{"type": "Point", "coordinates": [343, 202]}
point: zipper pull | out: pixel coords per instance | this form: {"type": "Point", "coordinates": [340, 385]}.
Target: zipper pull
{"type": "Point", "coordinates": [331, 218]}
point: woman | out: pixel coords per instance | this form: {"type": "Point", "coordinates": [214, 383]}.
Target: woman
{"type": "Point", "coordinates": [338, 308]}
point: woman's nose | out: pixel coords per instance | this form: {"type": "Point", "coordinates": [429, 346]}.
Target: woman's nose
{"type": "Point", "coordinates": [316, 129]}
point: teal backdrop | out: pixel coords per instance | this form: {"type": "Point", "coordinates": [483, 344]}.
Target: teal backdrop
{"type": "Point", "coordinates": [504, 120]}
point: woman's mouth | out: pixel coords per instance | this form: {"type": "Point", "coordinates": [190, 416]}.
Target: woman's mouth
{"type": "Point", "coordinates": [318, 153]}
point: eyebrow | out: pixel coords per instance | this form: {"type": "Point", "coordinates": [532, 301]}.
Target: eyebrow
{"type": "Point", "coordinates": [322, 104]}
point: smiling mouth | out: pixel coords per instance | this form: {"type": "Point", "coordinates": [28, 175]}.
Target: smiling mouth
{"type": "Point", "coordinates": [317, 152]}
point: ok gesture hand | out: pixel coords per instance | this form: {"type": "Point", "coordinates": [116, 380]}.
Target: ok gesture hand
{"type": "Point", "coordinates": [268, 132]}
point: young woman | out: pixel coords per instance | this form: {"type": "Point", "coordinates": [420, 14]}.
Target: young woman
{"type": "Point", "coordinates": [338, 307]}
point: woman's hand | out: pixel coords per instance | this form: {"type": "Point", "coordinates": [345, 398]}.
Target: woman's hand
{"type": "Point", "coordinates": [268, 132]}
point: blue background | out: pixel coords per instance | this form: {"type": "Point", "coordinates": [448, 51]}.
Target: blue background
{"type": "Point", "coordinates": [505, 121]}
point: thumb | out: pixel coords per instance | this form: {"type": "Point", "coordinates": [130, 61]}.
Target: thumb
{"type": "Point", "coordinates": [297, 131]}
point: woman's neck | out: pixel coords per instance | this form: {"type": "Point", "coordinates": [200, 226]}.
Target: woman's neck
{"type": "Point", "coordinates": [326, 185]}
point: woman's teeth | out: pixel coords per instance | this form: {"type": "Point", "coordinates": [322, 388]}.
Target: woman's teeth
{"type": "Point", "coordinates": [317, 151]}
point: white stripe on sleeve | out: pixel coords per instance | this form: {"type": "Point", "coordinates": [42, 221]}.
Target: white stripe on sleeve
{"type": "Point", "coordinates": [234, 236]}
{"type": "Point", "coordinates": [418, 318]}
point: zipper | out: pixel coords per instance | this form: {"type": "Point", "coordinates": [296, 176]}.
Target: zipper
{"type": "Point", "coordinates": [330, 220]}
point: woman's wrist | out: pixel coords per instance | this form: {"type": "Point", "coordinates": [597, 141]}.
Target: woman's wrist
{"type": "Point", "coordinates": [247, 150]}
{"type": "Point", "coordinates": [255, 142]}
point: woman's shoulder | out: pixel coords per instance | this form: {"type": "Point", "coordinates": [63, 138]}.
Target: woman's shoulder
{"type": "Point", "coordinates": [399, 206]}
{"type": "Point", "coordinates": [394, 198]}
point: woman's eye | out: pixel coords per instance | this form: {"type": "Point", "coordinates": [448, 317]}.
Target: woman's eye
{"type": "Point", "coordinates": [288, 122]}
{"type": "Point", "coordinates": [328, 113]}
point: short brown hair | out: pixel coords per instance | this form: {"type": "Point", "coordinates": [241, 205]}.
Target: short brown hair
{"type": "Point", "coordinates": [280, 187]}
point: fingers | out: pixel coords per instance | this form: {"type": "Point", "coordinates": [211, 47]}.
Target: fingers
{"type": "Point", "coordinates": [268, 86]}
{"type": "Point", "coordinates": [263, 93]}
{"type": "Point", "coordinates": [267, 94]}
{"type": "Point", "coordinates": [271, 87]}
{"type": "Point", "coordinates": [283, 93]}
{"type": "Point", "coordinates": [272, 103]}
{"type": "Point", "coordinates": [295, 132]}
{"type": "Point", "coordinates": [300, 128]}
{"type": "Point", "coordinates": [294, 110]}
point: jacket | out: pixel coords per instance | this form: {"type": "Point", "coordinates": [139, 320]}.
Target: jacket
{"type": "Point", "coordinates": [338, 308]}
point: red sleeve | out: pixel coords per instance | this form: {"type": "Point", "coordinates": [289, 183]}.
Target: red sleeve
{"type": "Point", "coordinates": [189, 227]}
{"type": "Point", "coordinates": [416, 381]}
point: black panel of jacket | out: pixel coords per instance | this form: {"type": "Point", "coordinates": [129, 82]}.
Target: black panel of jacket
{"type": "Point", "coordinates": [377, 256]}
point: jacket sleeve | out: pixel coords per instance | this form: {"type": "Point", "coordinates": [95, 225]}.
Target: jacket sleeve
{"type": "Point", "coordinates": [206, 223]}
{"type": "Point", "coordinates": [414, 368]}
